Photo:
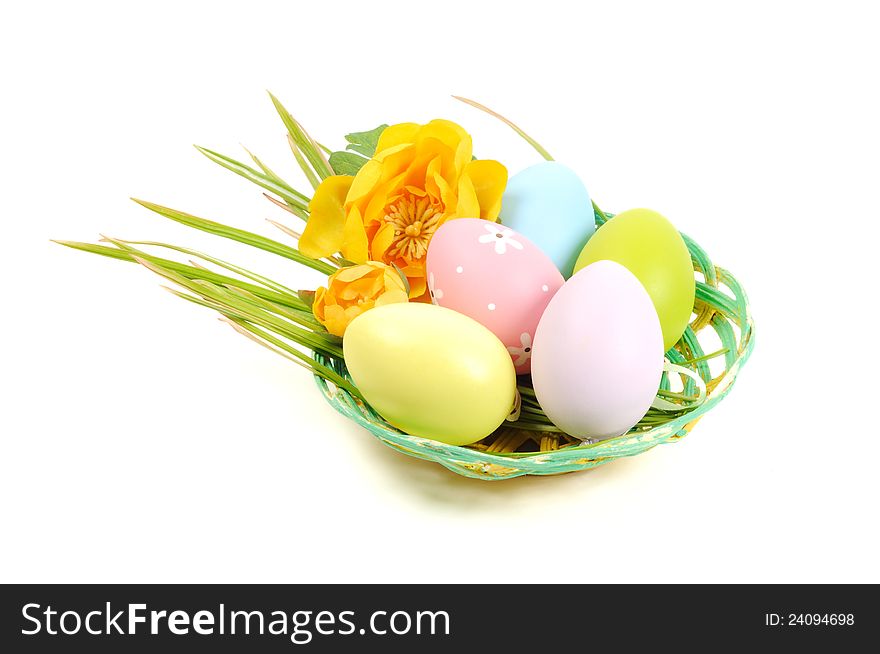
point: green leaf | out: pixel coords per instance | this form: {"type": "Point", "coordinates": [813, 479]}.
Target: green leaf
{"type": "Point", "coordinates": [365, 142]}
{"type": "Point", "coordinates": [306, 144]}
{"type": "Point", "coordinates": [297, 201]}
{"type": "Point", "coordinates": [308, 298]}
{"type": "Point", "coordinates": [304, 165]}
{"type": "Point", "coordinates": [240, 235]}
{"type": "Point", "coordinates": [244, 272]}
{"type": "Point", "coordinates": [303, 318]}
{"type": "Point", "coordinates": [347, 163]}
{"type": "Point", "coordinates": [266, 170]}
{"type": "Point", "coordinates": [233, 305]}
{"type": "Point", "coordinates": [361, 147]}
{"type": "Point", "coordinates": [190, 272]}
{"type": "Point", "coordinates": [284, 349]}
{"type": "Point", "coordinates": [300, 315]}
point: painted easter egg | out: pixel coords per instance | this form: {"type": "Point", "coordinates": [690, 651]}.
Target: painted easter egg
{"type": "Point", "coordinates": [549, 205]}
{"type": "Point", "coordinates": [598, 354]}
{"type": "Point", "coordinates": [494, 275]}
{"type": "Point", "coordinates": [651, 248]}
{"type": "Point", "coordinates": [430, 371]}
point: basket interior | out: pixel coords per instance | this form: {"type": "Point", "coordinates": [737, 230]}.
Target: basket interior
{"type": "Point", "coordinates": [721, 321]}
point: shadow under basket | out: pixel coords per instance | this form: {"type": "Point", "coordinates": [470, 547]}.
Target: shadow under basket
{"type": "Point", "coordinates": [722, 315]}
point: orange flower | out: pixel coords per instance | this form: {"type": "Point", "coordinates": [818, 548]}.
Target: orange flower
{"type": "Point", "coordinates": [420, 177]}
{"type": "Point", "coordinates": [356, 289]}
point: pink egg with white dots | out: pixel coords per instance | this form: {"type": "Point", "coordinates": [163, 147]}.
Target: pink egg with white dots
{"type": "Point", "coordinates": [495, 276]}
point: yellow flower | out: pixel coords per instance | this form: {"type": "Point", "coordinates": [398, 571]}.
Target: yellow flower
{"type": "Point", "coordinates": [356, 289]}
{"type": "Point", "coordinates": [420, 177]}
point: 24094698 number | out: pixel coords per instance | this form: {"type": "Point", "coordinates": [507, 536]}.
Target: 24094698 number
{"type": "Point", "coordinates": [809, 619]}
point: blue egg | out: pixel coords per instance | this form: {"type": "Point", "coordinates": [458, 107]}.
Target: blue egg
{"type": "Point", "coordinates": [549, 205]}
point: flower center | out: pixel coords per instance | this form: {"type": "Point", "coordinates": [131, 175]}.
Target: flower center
{"type": "Point", "coordinates": [415, 220]}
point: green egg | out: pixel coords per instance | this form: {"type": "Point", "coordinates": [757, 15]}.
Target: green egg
{"type": "Point", "coordinates": [651, 248]}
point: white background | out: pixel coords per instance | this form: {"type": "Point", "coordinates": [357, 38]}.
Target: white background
{"type": "Point", "coordinates": [144, 441]}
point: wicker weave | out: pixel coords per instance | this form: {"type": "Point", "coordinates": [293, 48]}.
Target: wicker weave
{"type": "Point", "coordinates": [513, 452]}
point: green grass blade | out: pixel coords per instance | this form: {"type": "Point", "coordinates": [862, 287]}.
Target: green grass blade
{"type": "Point", "coordinates": [267, 340]}
{"type": "Point", "coordinates": [247, 309]}
{"type": "Point", "coordinates": [238, 270]}
{"type": "Point", "coordinates": [304, 165]}
{"type": "Point", "coordinates": [304, 318]}
{"type": "Point", "coordinates": [298, 202]}
{"type": "Point", "coordinates": [230, 305]}
{"type": "Point", "coordinates": [240, 235]}
{"type": "Point", "coordinates": [301, 316]}
{"type": "Point", "coordinates": [241, 308]}
{"type": "Point", "coordinates": [190, 272]}
{"type": "Point", "coordinates": [305, 143]}
{"type": "Point", "coordinates": [510, 124]}
{"type": "Point", "coordinates": [298, 210]}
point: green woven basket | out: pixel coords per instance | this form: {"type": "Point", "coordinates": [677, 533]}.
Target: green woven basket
{"type": "Point", "coordinates": [720, 304]}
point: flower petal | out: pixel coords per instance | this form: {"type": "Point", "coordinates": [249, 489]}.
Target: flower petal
{"type": "Point", "coordinates": [391, 297]}
{"type": "Point", "coordinates": [351, 273]}
{"type": "Point", "coordinates": [354, 311]}
{"type": "Point", "coordinates": [385, 194]}
{"type": "Point", "coordinates": [447, 195]}
{"type": "Point", "coordinates": [365, 181]}
{"type": "Point", "coordinates": [382, 155]}
{"type": "Point", "coordinates": [489, 179]}
{"type": "Point", "coordinates": [335, 320]}
{"type": "Point", "coordinates": [468, 204]}
{"type": "Point", "coordinates": [324, 232]}
{"type": "Point", "coordinates": [382, 241]}
{"type": "Point", "coordinates": [318, 303]}
{"type": "Point", "coordinates": [418, 288]}
{"type": "Point", "coordinates": [397, 134]}
{"type": "Point", "coordinates": [395, 161]}
{"type": "Point", "coordinates": [452, 134]}
{"type": "Point", "coordinates": [354, 244]}
{"type": "Point", "coordinates": [359, 288]}
{"type": "Point", "coordinates": [393, 280]}
{"type": "Point", "coordinates": [435, 155]}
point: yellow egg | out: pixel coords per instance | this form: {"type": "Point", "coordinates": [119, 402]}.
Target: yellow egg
{"type": "Point", "coordinates": [430, 371]}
